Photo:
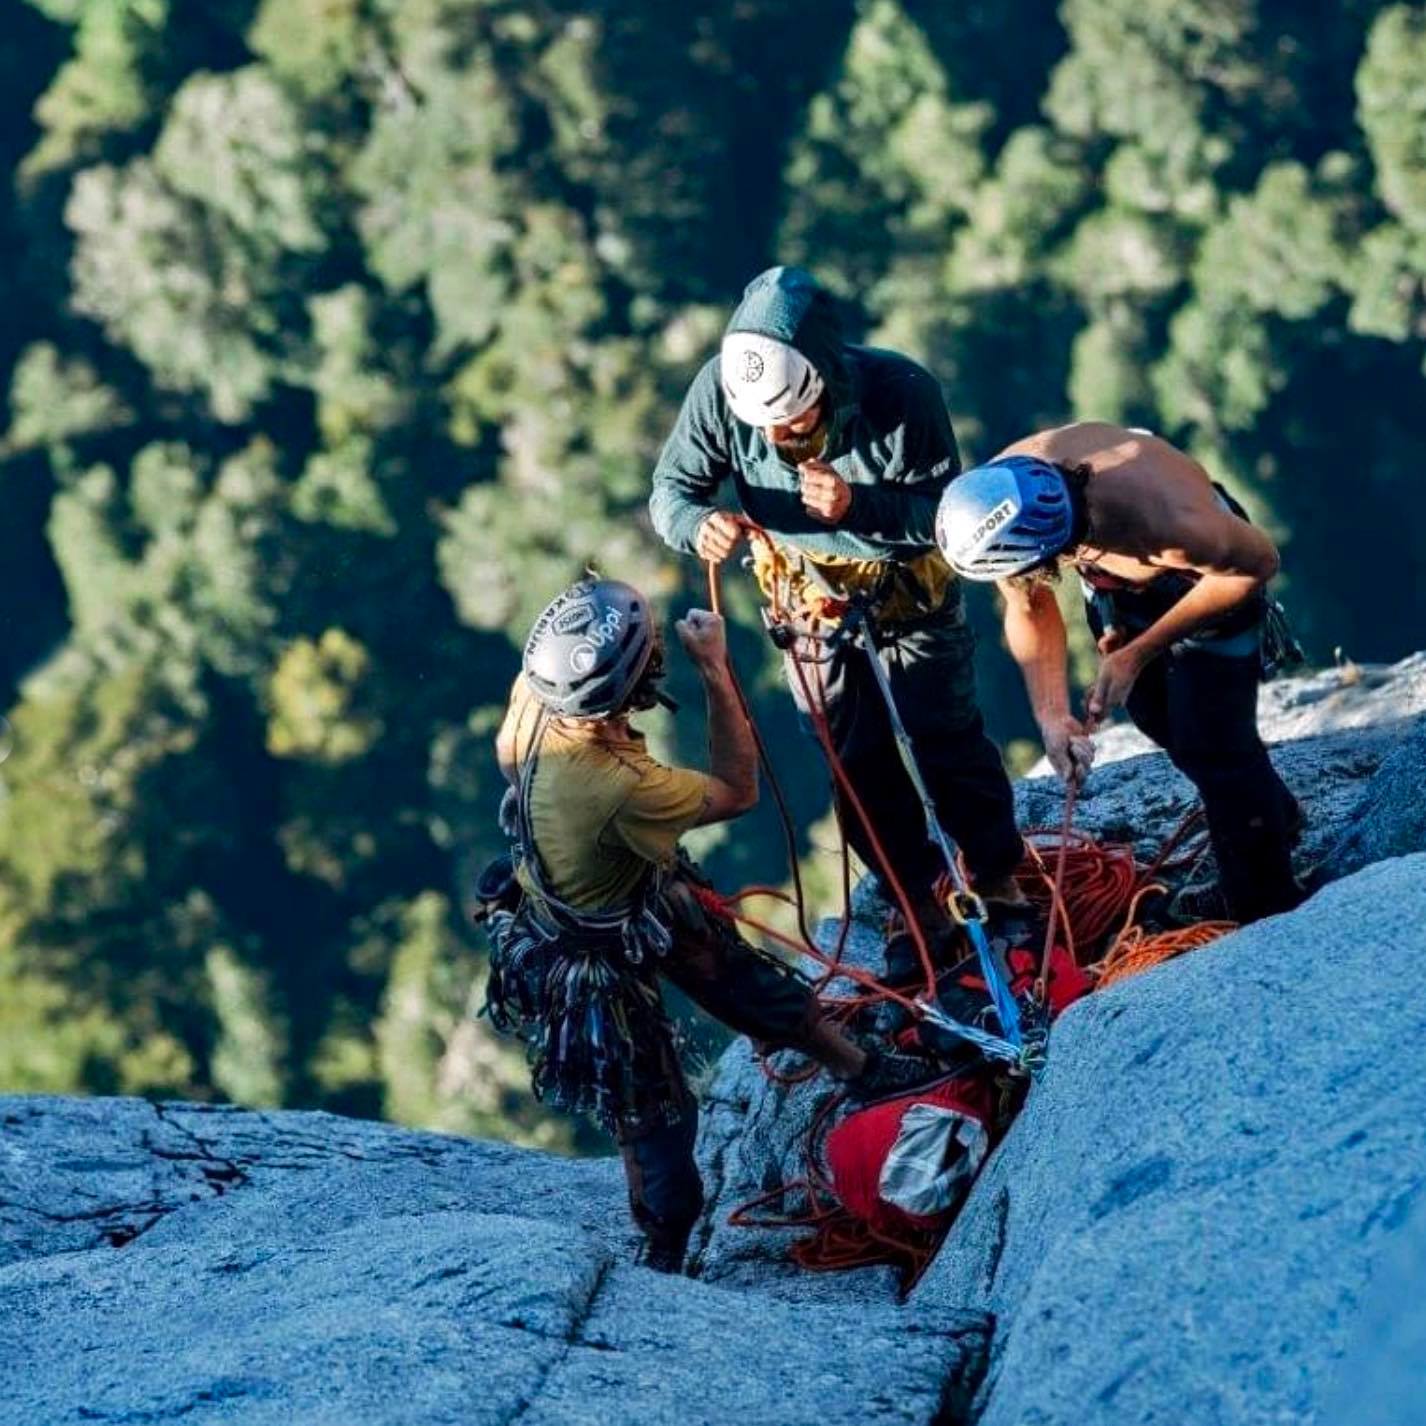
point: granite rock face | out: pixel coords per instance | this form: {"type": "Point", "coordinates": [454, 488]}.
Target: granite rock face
{"type": "Point", "coordinates": [218, 1265]}
{"type": "Point", "coordinates": [1382, 1379]}
{"type": "Point", "coordinates": [1389, 819]}
{"type": "Point", "coordinates": [1330, 701]}
{"type": "Point", "coordinates": [1186, 1045]}
{"type": "Point", "coordinates": [1184, 1220]}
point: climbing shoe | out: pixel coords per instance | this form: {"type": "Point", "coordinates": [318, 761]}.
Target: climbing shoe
{"type": "Point", "coordinates": [661, 1257]}
{"type": "Point", "coordinates": [889, 1073]}
{"type": "Point", "coordinates": [1011, 925]}
{"type": "Point", "coordinates": [944, 940]}
{"type": "Point", "coordinates": [1198, 901]}
{"type": "Point", "coordinates": [884, 1020]}
{"type": "Point", "coordinates": [1004, 891]}
{"type": "Point", "coordinates": [1205, 901]}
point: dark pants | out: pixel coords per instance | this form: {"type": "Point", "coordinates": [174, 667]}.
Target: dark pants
{"type": "Point", "coordinates": [750, 993]}
{"type": "Point", "coordinates": [930, 668]}
{"type": "Point", "coordinates": [1202, 709]}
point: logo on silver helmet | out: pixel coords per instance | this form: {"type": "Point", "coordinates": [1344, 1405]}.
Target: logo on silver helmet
{"type": "Point", "coordinates": [585, 654]}
{"type": "Point", "coordinates": [573, 619]}
{"type": "Point", "coordinates": [980, 536]}
{"type": "Point", "coordinates": [753, 367]}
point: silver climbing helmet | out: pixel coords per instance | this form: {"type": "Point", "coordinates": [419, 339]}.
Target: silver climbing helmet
{"type": "Point", "coordinates": [765, 380]}
{"type": "Point", "coordinates": [1005, 518]}
{"type": "Point", "coordinates": [590, 648]}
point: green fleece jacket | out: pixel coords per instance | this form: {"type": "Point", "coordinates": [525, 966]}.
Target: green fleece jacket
{"type": "Point", "coordinates": [889, 438]}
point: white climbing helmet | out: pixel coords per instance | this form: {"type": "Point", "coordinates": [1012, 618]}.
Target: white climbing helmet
{"type": "Point", "coordinates": [767, 381]}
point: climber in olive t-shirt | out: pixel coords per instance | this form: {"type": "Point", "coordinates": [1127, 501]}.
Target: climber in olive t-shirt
{"type": "Point", "coordinates": [603, 809]}
{"type": "Point", "coordinates": [608, 904]}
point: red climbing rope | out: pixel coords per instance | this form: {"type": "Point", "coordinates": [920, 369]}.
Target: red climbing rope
{"type": "Point", "coordinates": [839, 1241]}
{"type": "Point", "coordinates": [727, 907]}
{"type": "Point", "coordinates": [1084, 888]}
{"type": "Point", "coordinates": [817, 714]}
{"type": "Point", "coordinates": [784, 812]}
{"type": "Point", "coordinates": [1057, 917]}
{"type": "Point", "coordinates": [1101, 886]}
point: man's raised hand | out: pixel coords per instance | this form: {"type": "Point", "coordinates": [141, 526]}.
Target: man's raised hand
{"type": "Point", "coordinates": [704, 639]}
{"type": "Point", "coordinates": [1118, 672]}
{"type": "Point", "coordinates": [826, 496]}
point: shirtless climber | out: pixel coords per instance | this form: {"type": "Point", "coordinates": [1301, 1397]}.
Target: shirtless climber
{"type": "Point", "coordinates": [840, 453]}
{"type": "Point", "coordinates": [603, 903]}
{"type": "Point", "coordinates": [1174, 579]}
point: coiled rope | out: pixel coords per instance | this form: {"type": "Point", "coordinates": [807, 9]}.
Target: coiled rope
{"type": "Point", "coordinates": [1084, 888]}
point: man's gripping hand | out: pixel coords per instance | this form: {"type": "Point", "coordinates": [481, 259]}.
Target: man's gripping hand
{"type": "Point", "coordinates": [718, 536]}
{"type": "Point", "coordinates": [1119, 670]}
{"type": "Point", "coordinates": [704, 640]}
{"type": "Point", "coordinates": [1069, 749]}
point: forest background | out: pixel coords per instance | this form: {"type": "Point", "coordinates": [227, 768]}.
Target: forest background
{"type": "Point", "coordinates": [339, 334]}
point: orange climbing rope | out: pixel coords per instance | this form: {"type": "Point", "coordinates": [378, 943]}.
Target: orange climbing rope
{"type": "Point", "coordinates": [1084, 888]}
{"type": "Point", "coordinates": [1091, 886]}
{"type": "Point", "coordinates": [1133, 950]}
{"type": "Point", "coordinates": [1100, 886]}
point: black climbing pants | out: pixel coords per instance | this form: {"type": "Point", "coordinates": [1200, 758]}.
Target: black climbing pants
{"type": "Point", "coordinates": [929, 665]}
{"type": "Point", "coordinates": [1201, 708]}
{"type": "Point", "coordinates": [750, 993]}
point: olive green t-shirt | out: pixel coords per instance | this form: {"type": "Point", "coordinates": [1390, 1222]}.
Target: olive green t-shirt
{"type": "Point", "coordinates": [601, 810]}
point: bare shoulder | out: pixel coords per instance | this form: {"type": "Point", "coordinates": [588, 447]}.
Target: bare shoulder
{"type": "Point", "coordinates": [1098, 444]}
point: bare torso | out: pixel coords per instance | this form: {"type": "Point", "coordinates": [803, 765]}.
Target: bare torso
{"type": "Point", "coordinates": [1144, 498]}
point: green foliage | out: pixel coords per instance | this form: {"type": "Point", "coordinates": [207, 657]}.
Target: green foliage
{"type": "Point", "coordinates": [343, 332]}
{"type": "Point", "coordinates": [100, 90]}
{"type": "Point", "coordinates": [249, 1055]}
{"type": "Point", "coordinates": [314, 45]}
{"type": "Point", "coordinates": [1389, 280]}
{"type": "Point", "coordinates": [1393, 110]}
{"type": "Point", "coordinates": [190, 258]}
{"type": "Point", "coordinates": [315, 697]}
{"type": "Point", "coordinates": [55, 400]}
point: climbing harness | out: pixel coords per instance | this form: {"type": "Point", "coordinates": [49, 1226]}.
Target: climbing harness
{"type": "Point", "coordinates": [578, 986]}
{"type": "Point", "coordinates": [1280, 650]}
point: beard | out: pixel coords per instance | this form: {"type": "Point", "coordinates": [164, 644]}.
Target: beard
{"type": "Point", "coordinates": [800, 448]}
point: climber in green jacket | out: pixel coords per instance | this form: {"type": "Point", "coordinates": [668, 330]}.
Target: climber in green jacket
{"type": "Point", "coordinates": [840, 453]}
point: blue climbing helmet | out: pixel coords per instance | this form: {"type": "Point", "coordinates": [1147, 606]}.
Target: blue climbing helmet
{"type": "Point", "coordinates": [1004, 518]}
